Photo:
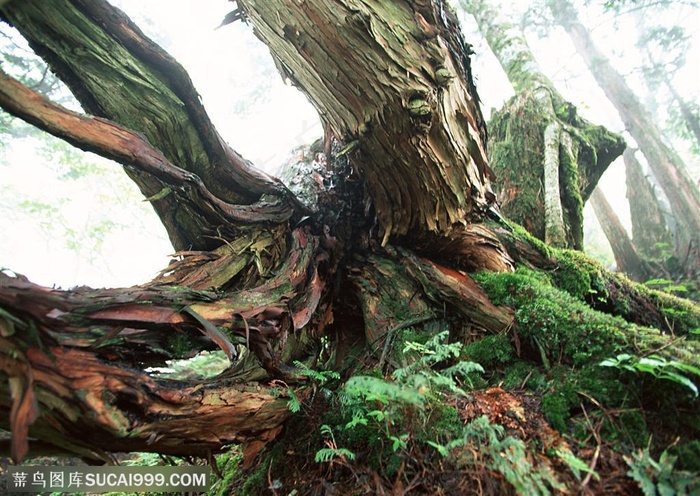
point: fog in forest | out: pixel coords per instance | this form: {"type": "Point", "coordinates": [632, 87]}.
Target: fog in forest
{"type": "Point", "coordinates": [85, 223]}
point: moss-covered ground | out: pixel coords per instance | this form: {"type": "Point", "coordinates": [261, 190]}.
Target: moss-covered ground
{"type": "Point", "coordinates": [570, 399]}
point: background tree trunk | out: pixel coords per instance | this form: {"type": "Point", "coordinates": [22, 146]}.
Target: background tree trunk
{"type": "Point", "coordinates": [561, 157]}
{"type": "Point", "coordinates": [649, 232]}
{"type": "Point", "coordinates": [627, 258]}
{"type": "Point", "coordinates": [668, 168]}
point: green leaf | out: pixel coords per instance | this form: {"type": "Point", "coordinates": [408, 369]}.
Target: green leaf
{"type": "Point", "coordinates": [575, 464]}
{"type": "Point", "coordinates": [356, 420]}
{"type": "Point", "coordinates": [325, 455]}
{"type": "Point", "coordinates": [293, 403]}
{"type": "Point", "coordinates": [399, 442]}
{"type": "Point", "coordinates": [440, 449]}
{"type": "Point", "coordinates": [680, 379]}
{"type": "Point", "coordinates": [686, 367]}
{"type": "Point", "coordinates": [378, 415]}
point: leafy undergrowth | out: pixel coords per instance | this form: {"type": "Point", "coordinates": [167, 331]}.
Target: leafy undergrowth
{"type": "Point", "coordinates": [556, 421]}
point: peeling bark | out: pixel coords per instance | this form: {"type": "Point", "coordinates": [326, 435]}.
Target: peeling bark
{"type": "Point", "coordinates": [73, 361]}
{"type": "Point", "coordinates": [421, 107]}
{"type": "Point", "coordinates": [78, 399]}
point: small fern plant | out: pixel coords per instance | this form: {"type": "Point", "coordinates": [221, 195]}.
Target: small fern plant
{"type": "Point", "coordinates": [318, 379]}
{"type": "Point", "coordinates": [332, 453]}
{"type": "Point", "coordinates": [399, 409]}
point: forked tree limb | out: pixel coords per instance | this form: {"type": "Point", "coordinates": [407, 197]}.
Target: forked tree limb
{"type": "Point", "coordinates": [229, 165]}
{"type": "Point", "coordinates": [131, 149]}
{"type": "Point", "coordinates": [120, 75]}
{"type": "Point", "coordinates": [72, 362]}
{"type": "Point", "coordinates": [76, 401]}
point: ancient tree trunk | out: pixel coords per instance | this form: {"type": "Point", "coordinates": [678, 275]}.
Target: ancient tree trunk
{"type": "Point", "coordinates": [404, 213]}
{"type": "Point", "coordinates": [416, 141]}
{"type": "Point", "coordinates": [561, 157]}
{"type": "Point", "coordinates": [668, 168]}
{"type": "Point", "coordinates": [397, 89]}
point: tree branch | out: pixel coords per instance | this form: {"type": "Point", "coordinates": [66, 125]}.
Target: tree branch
{"type": "Point", "coordinates": [234, 169]}
{"type": "Point", "coordinates": [120, 75]}
{"type": "Point", "coordinates": [129, 148]}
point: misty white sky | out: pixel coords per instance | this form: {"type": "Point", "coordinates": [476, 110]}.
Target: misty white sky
{"type": "Point", "coordinates": [260, 117]}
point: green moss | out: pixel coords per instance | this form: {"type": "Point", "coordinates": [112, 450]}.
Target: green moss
{"type": "Point", "coordinates": [568, 389]}
{"type": "Point", "coordinates": [632, 428]}
{"type": "Point", "coordinates": [523, 372]}
{"type": "Point", "coordinates": [578, 275]}
{"type": "Point", "coordinates": [256, 481]}
{"type": "Point", "coordinates": [524, 234]}
{"type": "Point", "coordinates": [491, 351]}
{"type": "Point", "coordinates": [569, 339]}
{"type": "Point", "coordinates": [556, 327]}
{"type": "Point", "coordinates": [445, 423]}
{"type": "Point", "coordinates": [556, 408]}
{"type": "Point", "coordinates": [516, 141]}
{"type": "Point", "coordinates": [517, 137]}
{"type": "Point", "coordinates": [684, 314]}
{"type": "Point", "coordinates": [229, 466]}
{"type": "Point", "coordinates": [572, 202]}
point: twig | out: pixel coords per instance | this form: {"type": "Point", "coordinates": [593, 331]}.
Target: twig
{"type": "Point", "coordinates": [596, 454]}
{"type": "Point", "coordinates": [269, 479]}
{"type": "Point", "coordinates": [671, 342]}
{"type": "Point", "coordinates": [390, 333]}
{"type": "Point", "coordinates": [212, 463]}
{"type": "Point", "coordinates": [598, 404]}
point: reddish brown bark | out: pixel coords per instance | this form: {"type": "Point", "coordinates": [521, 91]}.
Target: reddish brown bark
{"type": "Point", "coordinates": [129, 148]}
{"type": "Point", "coordinates": [74, 359]}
